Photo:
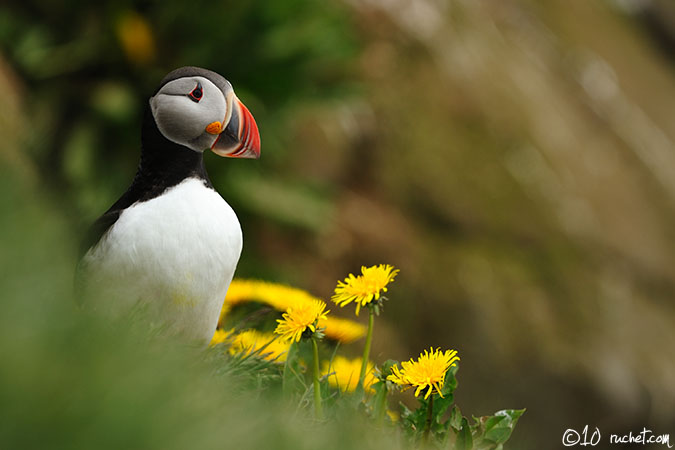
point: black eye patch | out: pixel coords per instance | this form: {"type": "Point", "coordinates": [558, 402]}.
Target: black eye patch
{"type": "Point", "coordinates": [196, 93]}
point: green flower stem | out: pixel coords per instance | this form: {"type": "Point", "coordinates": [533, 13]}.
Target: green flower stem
{"type": "Point", "coordinates": [317, 388]}
{"type": "Point", "coordinates": [381, 404]}
{"type": "Point", "coordinates": [430, 411]}
{"type": "Point", "coordinates": [366, 349]}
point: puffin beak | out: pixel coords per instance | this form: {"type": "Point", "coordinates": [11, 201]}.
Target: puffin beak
{"type": "Point", "coordinates": [240, 138]}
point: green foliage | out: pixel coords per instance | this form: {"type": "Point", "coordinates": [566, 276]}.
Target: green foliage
{"type": "Point", "coordinates": [485, 433]}
{"type": "Point", "coordinates": [493, 431]}
{"type": "Point", "coordinates": [293, 381]}
{"type": "Point", "coordinates": [449, 427]}
{"type": "Point", "coordinates": [251, 369]}
{"type": "Point", "coordinates": [464, 440]}
{"type": "Point", "coordinates": [436, 421]}
{"type": "Point", "coordinates": [415, 421]}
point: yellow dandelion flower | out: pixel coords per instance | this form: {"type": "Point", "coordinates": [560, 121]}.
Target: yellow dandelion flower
{"type": "Point", "coordinates": [220, 336]}
{"type": "Point", "coordinates": [242, 291]}
{"type": "Point", "coordinates": [364, 288]}
{"type": "Point", "coordinates": [343, 373]}
{"type": "Point", "coordinates": [264, 344]}
{"type": "Point", "coordinates": [282, 297]}
{"type": "Point", "coordinates": [343, 330]}
{"type": "Point", "coordinates": [428, 372]}
{"type": "Point", "coordinates": [300, 318]}
{"type": "Point", "coordinates": [278, 296]}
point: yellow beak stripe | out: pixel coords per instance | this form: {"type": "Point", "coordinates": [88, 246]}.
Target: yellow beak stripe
{"type": "Point", "coordinates": [214, 128]}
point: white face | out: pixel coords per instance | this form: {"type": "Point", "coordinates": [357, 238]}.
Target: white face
{"type": "Point", "coordinates": [184, 108]}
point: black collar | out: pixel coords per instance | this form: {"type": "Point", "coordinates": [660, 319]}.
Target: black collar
{"type": "Point", "coordinates": [163, 164]}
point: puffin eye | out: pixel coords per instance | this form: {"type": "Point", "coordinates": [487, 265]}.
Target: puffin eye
{"type": "Point", "coordinates": [196, 93]}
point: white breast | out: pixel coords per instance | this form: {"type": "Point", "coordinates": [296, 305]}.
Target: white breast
{"type": "Point", "coordinates": [175, 254]}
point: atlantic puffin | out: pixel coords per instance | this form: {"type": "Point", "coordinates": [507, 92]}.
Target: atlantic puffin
{"type": "Point", "coordinates": [171, 243]}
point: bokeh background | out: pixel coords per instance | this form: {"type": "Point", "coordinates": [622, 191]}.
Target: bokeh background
{"type": "Point", "coordinates": [514, 158]}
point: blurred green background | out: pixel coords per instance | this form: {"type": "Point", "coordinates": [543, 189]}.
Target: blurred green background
{"type": "Point", "coordinates": [515, 159]}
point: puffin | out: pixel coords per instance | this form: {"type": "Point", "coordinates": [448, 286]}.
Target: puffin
{"type": "Point", "coordinates": [170, 245]}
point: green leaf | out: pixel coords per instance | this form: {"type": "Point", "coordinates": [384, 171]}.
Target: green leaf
{"type": "Point", "coordinates": [441, 405]}
{"type": "Point", "coordinates": [502, 430]}
{"type": "Point", "coordinates": [450, 383]}
{"type": "Point", "coordinates": [438, 427]}
{"type": "Point", "coordinates": [497, 428]}
{"type": "Point", "coordinates": [385, 371]}
{"type": "Point", "coordinates": [414, 421]}
{"type": "Point", "coordinates": [498, 435]}
{"type": "Point", "coordinates": [379, 400]}
{"type": "Point", "coordinates": [512, 414]}
{"type": "Point", "coordinates": [408, 420]}
{"type": "Point", "coordinates": [455, 420]}
{"type": "Point", "coordinates": [492, 421]}
{"type": "Point", "coordinates": [464, 439]}
{"type": "Point", "coordinates": [405, 411]}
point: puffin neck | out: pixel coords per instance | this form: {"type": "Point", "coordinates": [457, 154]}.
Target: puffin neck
{"type": "Point", "coordinates": [165, 163]}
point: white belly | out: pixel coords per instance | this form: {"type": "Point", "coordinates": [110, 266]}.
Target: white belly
{"type": "Point", "coordinates": [174, 255]}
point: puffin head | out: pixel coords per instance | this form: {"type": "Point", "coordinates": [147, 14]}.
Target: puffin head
{"type": "Point", "coordinates": [198, 109]}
